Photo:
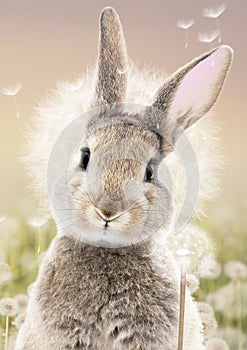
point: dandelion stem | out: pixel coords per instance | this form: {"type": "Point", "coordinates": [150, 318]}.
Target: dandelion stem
{"type": "Point", "coordinates": [219, 29]}
{"type": "Point", "coordinates": [39, 240]}
{"type": "Point", "coordinates": [239, 313]}
{"type": "Point", "coordinates": [16, 107]}
{"type": "Point", "coordinates": [182, 309]}
{"type": "Point", "coordinates": [6, 333]}
{"type": "Point", "coordinates": [186, 38]}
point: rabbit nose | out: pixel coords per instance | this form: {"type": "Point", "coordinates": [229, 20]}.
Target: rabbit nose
{"type": "Point", "coordinates": [107, 216]}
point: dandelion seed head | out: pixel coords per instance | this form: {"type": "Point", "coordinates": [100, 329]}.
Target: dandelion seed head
{"type": "Point", "coordinates": [5, 272]}
{"type": "Point", "coordinates": [185, 24]}
{"type": "Point", "coordinates": [216, 301]}
{"type": "Point", "coordinates": [236, 270]}
{"type": "Point", "coordinates": [204, 308]}
{"type": "Point", "coordinates": [214, 12]}
{"type": "Point", "coordinates": [209, 325]}
{"type": "Point", "coordinates": [208, 37]}
{"type": "Point", "coordinates": [192, 283]}
{"type": "Point", "coordinates": [193, 239]}
{"type": "Point", "coordinates": [216, 344]}
{"type": "Point", "coordinates": [12, 91]}
{"type": "Point", "coordinates": [210, 268]}
{"type": "Point", "coordinates": [22, 301]}
{"type": "Point", "coordinates": [8, 307]}
{"type": "Point", "coordinates": [19, 320]}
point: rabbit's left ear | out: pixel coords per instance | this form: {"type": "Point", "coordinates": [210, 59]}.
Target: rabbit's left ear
{"type": "Point", "coordinates": [193, 89]}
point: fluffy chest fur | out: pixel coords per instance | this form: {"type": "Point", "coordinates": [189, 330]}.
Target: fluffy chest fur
{"type": "Point", "coordinates": [113, 299]}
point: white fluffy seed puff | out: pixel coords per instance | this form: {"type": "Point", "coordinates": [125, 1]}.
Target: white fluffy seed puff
{"type": "Point", "coordinates": [8, 307]}
{"type": "Point", "coordinates": [216, 344]}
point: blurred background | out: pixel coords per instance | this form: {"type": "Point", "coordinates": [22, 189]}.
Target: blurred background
{"type": "Point", "coordinates": [42, 42]}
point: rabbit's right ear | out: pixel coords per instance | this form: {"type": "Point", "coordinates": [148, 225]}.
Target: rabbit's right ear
{"type": "Point", "coordinates": [191, 92]}
{"type": "Point", "coordinates": [112, 61]}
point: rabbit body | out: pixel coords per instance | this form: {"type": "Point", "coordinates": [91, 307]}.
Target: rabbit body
{"type": "Point", "coordinates": [90, 297]}
{"type": "Point", "coordinates": [117, 296]}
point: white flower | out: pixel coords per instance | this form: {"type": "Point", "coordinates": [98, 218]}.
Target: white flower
{"type": "Point", "coordinates": [8, 307]}
{"type": "Point", "coordinates": [210, 268]}
{"type": "Point", "coordinates": [12, 91]}
{"type": "Point", "coordinates": [214, 12]}
{"type": "Point", "coordinates": [192, 283]}
{"type": "Point", "coordinates": [19, 320]}
{"type": "Point", "coordinates": [185, 24]}
{"type": "Point", "coordinates": [22, 301]}
{"type": "Point", "coordinates": [5, 272]}
{"type": "Point", "coordinates": [216, 344]}
{"type": "Point", "coordinates": [208, 37]}
{"type": "Point", "coordinates": [236, 270]}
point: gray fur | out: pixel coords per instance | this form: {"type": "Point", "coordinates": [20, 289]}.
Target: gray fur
{"type": "Point", "coordinates": [97, 298]}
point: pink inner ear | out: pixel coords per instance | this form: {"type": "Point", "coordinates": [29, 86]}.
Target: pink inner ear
{"type": "Point", "coordinates": [201, 86]}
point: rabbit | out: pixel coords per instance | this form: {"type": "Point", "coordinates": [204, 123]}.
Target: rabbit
{"type": "Point", "coordinates": [108, 281]}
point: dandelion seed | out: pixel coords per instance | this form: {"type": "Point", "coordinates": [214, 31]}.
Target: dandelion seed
{"type": "Point", "coordinates": [186, 24]}
{"type": "Point", "coordinates": [5, 272]}
{"type": "Point", "coordinates": [215, 13]}
{"type": "Point", "coordinates": [22, 301]}
{"type": "Point", "coordinates": [19, 320]}
{"type": "Point", "coordinates": [208, 37]}
{"type": "Point", "coordinates": [37, 222]}
{"type": "Point", "coordinates": [8, 307]}
{"type": "Point", "coordinates": [216, 344]}
{"type": "Point", "coordinates": [13, 91]}
{"type": "Point", "coordinates": [236, 270]}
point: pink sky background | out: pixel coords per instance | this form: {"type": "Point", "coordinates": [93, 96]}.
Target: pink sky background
{"type": "Point", "coordinates": [42, 42]}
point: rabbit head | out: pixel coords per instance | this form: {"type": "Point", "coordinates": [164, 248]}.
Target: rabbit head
{"type": "Point", "coordinates": [116, 196]}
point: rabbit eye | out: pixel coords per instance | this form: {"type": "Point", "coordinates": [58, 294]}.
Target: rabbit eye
{"type": "Point", "coordinates": [149, 173]}
{"type": "Point", "coordinates": [85, 156]}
